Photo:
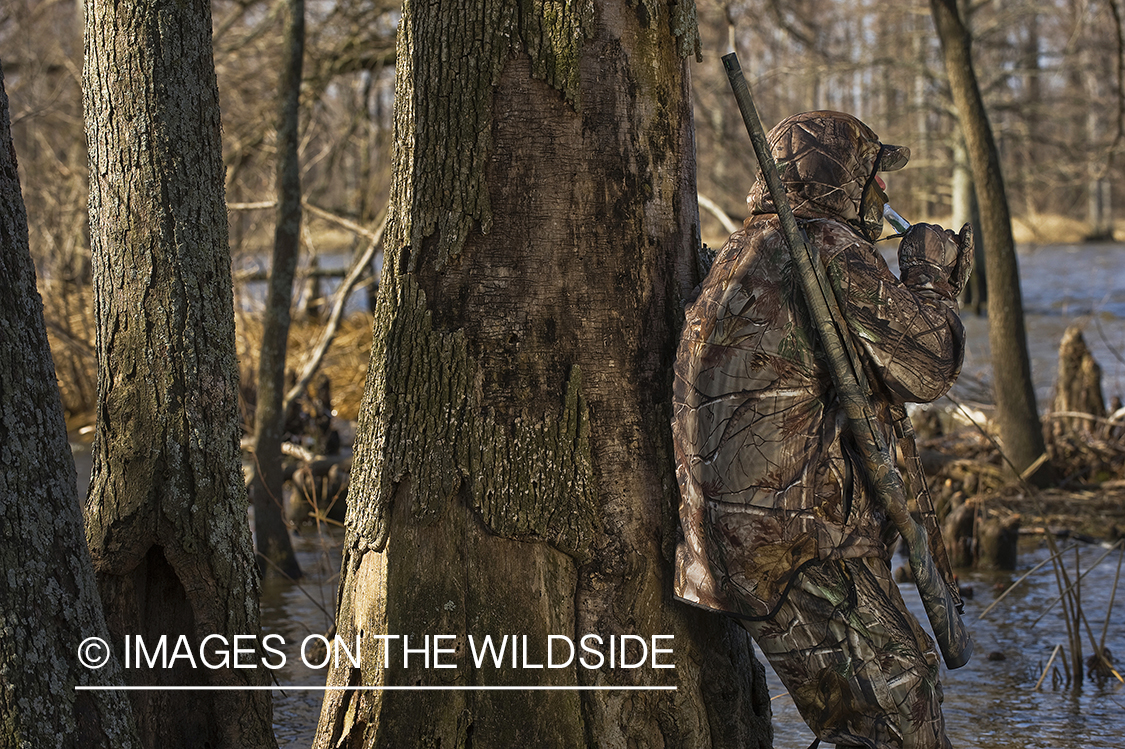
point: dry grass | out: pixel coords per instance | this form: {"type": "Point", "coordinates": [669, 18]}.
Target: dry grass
{"type": "Point", "coordinates": [345, 364]}
{"type": "Point", "coordinates": [1041, 229]}
{"type": "Point", "coordinates": [71, 333]}
{"type": "Point", "coordinates": [1089, 499]}
{"type": "Point", "coordinates": [70, 330]}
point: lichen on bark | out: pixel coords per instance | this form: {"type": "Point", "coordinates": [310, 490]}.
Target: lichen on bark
{"type": "Point", "coordinates": [167, 510]}
{"type": "Point", "coordinates": [513, 472]}
{"type": "Point", "coordinates": [47, 589]}
{"type": "Point", "coordinates": [529, 478]}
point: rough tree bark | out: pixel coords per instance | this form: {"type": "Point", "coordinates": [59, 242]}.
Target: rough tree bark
{"type": "Point", "coordinates": [1016, 411]}
{"type": "Point", "coordinates": [514, 472]}
{"type": "Point", "coordinates": [166, 515]}
{"type": "Point", "coordinates": [272, 536]}
{"type": "Point", "coordinates": [48, 598]}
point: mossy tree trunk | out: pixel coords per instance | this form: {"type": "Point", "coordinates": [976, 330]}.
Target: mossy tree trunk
{"type": "Point", "coordinates": [166, 515]}
{"type": "Point", "coordinates": [48, 598]}
{"type": "Point", "coordinates": [513, 473]}
{"type": "Point", "coordinates": [1016, 412]}
{"type": "Point", "coordinates": [271, 534]}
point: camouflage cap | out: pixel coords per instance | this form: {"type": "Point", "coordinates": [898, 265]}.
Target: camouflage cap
{"type": "Point", "coordinates": [828, 161]}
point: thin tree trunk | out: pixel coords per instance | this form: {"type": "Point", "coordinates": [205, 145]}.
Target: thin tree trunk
{"type": "Point", "coordinates": [1098, 72]}
{"type": "Point", "coordinates": [271, 534]}
{"type": "Point", "coordinates": [1016, 411]}
{"type": "Point", "coordinates": [1099, 213]}
{"type": "Point", "coordinates": [967, 210]}
{"type": "Point", "coordinates": [922, 108]}
{"type": "Point", "coordinates": [48, 596]}
{"type": "Point", "coordinates": [513, 472]}
{"type": "Point", "coordinates": [166, 516]}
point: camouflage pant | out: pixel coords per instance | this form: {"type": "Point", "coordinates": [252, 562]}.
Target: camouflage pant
{"type": "Point", "coordinates": [861, 669]}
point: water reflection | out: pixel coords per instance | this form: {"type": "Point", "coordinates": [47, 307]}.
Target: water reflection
{"type": "Point", "coordinates": [295, 611]}
{"type": "Point", "coordinates": [991, 704]}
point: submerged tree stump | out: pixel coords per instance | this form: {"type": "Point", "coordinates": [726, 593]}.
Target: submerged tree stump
{"type": "Point", "coordinates": [958, 533]}
{"type": "Point", "coordinates": [975, 540]}
{"type": "Point", "coordinates": [997, 542]}
{"type": "Point", "coordinates": [1079, 387]}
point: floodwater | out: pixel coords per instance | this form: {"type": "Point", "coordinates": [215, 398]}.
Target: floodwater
{"type": "Point", "coordinates": [993, 704]}
{"type": "Point", "coordinates": [989, 704]}
{"type": "Point", "coordinates": [1061, 285]}
{"type": "Point", "coordinates": [297, 611]}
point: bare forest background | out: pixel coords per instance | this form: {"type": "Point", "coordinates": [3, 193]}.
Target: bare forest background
{"type": "Point", "coordinates": [1050, 72]}
{"type": "Point", "coordinates": [1052, 76]}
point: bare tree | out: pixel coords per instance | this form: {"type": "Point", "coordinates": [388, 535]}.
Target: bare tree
{"type": "Point", "coordinates": [1103, 77]}
{"type": "Point", "coordinates": [49, 598]}
{"type": "Point", "coordinates": [271, 534]}
{"type": "Point", "coordinates": [166, 515]}
{"type": "Point", "coordinates": [43, 59]}
{"type": "Point", "coordinates": [1016, 411]}
{"type": "Point", "coordinates": [514, 474]}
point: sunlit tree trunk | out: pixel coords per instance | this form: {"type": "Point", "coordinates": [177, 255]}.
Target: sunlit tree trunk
{"type": "Point", "coordinates": [1016, 411]}
{"type": "Point", "coordinates": [271, 535]}
{"type": "Point", "coordinates": [48, 598]}
{"type": "Point", "coordinates": [166, 515]}
{"type": "Point", "coordinates": [966, 210]}
{"type": "Point", "coordinates": [513, 472]}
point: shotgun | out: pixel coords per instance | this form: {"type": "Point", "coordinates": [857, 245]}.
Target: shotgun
{"type": "Point", "coordinates": [852, 387]}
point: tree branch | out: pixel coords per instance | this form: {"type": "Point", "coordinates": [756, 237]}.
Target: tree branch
{"type": "Point", "coordinates": [340, 298]}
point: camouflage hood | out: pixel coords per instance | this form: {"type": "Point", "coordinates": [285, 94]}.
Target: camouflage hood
{"type": "Point", "coordinates": [828, 162]}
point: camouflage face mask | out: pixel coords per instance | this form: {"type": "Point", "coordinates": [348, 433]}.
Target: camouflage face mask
{"type": "Point", "coordinates": [874, 196]}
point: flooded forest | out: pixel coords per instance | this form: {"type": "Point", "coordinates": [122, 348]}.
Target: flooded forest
{"type": "Point", "coordinates": [351, 324]}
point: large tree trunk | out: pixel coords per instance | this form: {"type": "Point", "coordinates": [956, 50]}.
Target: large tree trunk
{"type": "Point", "coordinates": [48, 598]}
{"type": "Point", "coordinates": [514, 472]}
{"type": "Point", "coordinates": [1016, 412]}
{"type": "Point", "coordinates": [272, 536]}
{"type": "Point", "coordinates": [167, 514]}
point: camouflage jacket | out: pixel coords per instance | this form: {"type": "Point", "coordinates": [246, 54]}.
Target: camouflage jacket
{"type": "Point", "coordinates": [768, 473]}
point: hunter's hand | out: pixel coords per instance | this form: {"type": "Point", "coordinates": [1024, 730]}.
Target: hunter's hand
{"type": "Point", "coordinates": [930, 257]}
{"type": "Point", "coordinates": [966, 248]}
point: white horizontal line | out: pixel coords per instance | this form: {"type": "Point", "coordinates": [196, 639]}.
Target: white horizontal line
{"type": "Point", "coordinates": [81, 688]}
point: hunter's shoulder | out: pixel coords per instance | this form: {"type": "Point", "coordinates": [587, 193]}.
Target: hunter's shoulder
{"type": "Point", "coordinates": [835, 233]}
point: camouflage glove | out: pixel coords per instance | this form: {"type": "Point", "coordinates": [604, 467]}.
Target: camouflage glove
{"type": "Point", "coordinates": [930, 257]}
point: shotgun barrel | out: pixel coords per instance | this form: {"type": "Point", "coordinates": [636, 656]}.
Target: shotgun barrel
{"type": "Point", "coordinates": [851, 386]}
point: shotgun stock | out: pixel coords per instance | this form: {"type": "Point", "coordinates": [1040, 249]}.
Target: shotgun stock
{"type": "Point", "coordinates": [852, 387]}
